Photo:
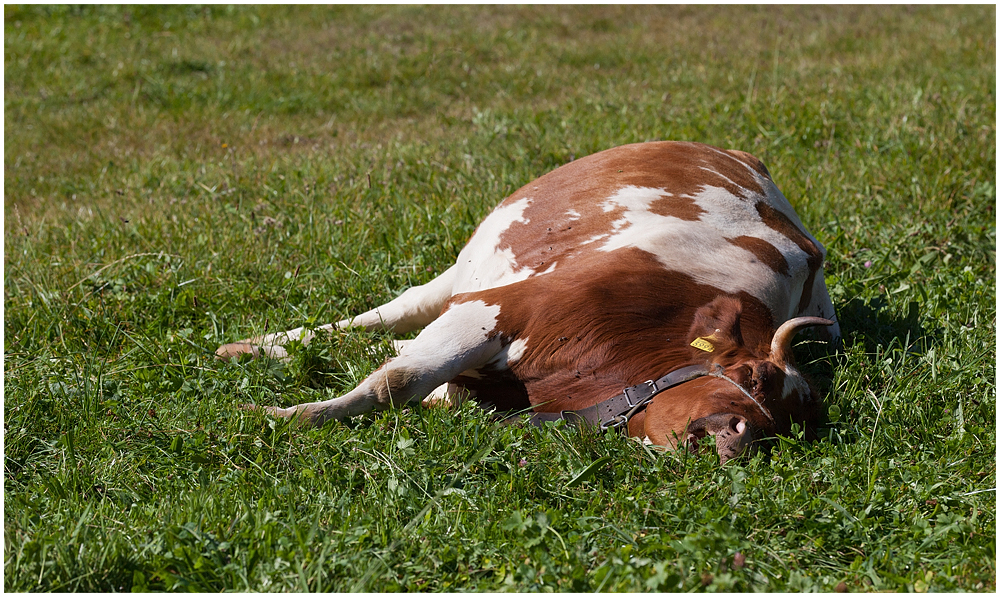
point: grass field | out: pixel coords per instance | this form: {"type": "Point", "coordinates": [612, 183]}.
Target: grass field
{"type": "Point", "coordinates": [180, 177]}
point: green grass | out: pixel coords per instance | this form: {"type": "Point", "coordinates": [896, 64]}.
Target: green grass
{"type": "Point", "coordinates": [177, 178]}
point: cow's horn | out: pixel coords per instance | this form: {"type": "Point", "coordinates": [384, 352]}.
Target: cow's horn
{"type": "Point", "coordinates": [781, 343]}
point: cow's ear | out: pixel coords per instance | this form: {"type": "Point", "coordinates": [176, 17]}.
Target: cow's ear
{"type": "Point", "coordinates": [716, 326]}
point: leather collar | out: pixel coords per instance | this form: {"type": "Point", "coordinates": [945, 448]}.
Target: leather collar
{"type": "Point", "coordinates": [616, 411]}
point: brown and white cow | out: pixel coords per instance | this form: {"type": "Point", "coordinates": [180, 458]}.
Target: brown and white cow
{"type": "Point", "coordinates": [617, 268]}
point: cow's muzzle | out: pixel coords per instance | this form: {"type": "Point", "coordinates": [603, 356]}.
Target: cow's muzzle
{"type": "Point", "coordinates": [732, 434]}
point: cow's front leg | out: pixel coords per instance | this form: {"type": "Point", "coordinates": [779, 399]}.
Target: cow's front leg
{"type": "Point", "coordinates": [462, 338]}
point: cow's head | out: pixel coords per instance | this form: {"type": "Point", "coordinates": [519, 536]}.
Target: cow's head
{"type": "Point", "coordinates": [753, 392]}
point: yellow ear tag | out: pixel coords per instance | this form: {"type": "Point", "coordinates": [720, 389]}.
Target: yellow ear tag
{"type": "Point", "coordinates": [704, 344]}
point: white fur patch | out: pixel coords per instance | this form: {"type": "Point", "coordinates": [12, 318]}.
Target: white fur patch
{"type": "Point", "coordinates": [594, 239]}
{"type": "Point", "coordinates": [482, 264]}
{"type": "Point", "coordinates": [509, 355]}
{"type": "Point", "coordinates": [515, 350]}
{"type": "Point", "coordinates": [633, 198]}
{"type": "Point", "coordinates": [549, 269]}
{"type": "Point", "coordinates": [794, 382]}
{"type": "Point", "coordinates": [700, 249]}
{"type": "Point", "coordinates": [463, 329]}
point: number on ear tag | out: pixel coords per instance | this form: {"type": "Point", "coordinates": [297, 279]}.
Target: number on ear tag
{"type": "Point", "coordinates": [703, 344]}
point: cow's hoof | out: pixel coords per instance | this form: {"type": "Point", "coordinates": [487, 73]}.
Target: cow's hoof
{"type": "Point", "coordinates": [230, 351]}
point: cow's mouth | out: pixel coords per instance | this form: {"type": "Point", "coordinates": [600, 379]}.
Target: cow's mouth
{"type": "Point", "coordinates": [732, 434]}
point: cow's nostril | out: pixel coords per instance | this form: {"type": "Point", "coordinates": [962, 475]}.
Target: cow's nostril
{"type": "Point", "coordinates": [737, 424]}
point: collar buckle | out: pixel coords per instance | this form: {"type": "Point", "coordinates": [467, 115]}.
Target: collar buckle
{"type": "Point", "coordinates": [637, 394]}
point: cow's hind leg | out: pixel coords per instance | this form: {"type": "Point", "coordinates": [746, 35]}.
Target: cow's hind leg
{"type": "Point", "coordinates": [445, 395]}
{"type": "Point", "coordinates": [412, 310]}
{"type": "Point", "coordinates": [460, 339]}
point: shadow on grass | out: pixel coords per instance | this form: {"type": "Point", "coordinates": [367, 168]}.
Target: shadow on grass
{"type": "Point", "coordinates": [872, 322]}
{"type": "Point", "coordinates": [876, 327]}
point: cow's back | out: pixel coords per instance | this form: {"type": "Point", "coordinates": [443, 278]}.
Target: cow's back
{"type": "Point", "coordinates": [713, 216]}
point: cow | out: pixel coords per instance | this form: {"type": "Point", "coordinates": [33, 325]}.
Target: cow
{"type": "Point", "coordinates": [653, 287]}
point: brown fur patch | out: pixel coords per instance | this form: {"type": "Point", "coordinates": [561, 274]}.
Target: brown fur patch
{"type": "Point", "coordinates": [682, 208]}
{"type": "Point", "coordinates": [767, 253]}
